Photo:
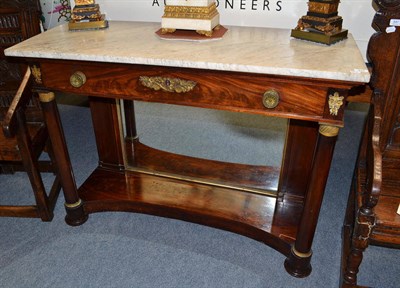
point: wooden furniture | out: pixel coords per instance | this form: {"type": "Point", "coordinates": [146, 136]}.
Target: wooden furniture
{"type": "Point", "coordinates": [250, 70]}
{"type": "Point", "coordinates": [19, 20]}
{"type": "Point", "coordinates": [25, 135]}
{"type": "Point", "coordinates": [371, 216]}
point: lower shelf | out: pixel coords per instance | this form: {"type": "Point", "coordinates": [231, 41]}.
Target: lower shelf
{"type": "Point", "coordinates": [256, 216]}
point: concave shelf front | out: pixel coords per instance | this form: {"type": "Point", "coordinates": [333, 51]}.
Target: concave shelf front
{"type": "Point", "coordinates": [256, 216]}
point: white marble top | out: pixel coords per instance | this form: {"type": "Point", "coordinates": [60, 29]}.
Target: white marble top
{"type": "Point", "coordinates": [243, 49]}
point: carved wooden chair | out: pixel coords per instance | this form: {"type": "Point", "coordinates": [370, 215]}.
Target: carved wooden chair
{"type": "Point", "coordinates": [25, 135]}
{"type": "Point", "coordinates": [371, 215]}
{"type": "Point", "coordinates": [23, 140]}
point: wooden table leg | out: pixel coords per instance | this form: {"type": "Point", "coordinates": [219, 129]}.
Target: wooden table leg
{"type": "Point", "coordinates": [298, 261]}
{"type": "Point", "coordinates": [73, 204]}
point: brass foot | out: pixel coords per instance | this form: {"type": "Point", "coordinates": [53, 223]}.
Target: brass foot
{"type": "Point", "coordinates": [204, 32]}
{"type": "Point", "coordinates": [167, 30]}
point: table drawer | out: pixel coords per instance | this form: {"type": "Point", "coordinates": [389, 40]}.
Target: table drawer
{"type": "Point", "coordinates": [253, 93]}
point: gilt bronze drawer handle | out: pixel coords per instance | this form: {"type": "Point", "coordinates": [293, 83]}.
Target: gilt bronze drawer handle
{"type": "Point", "coordinates": [77, 79]}
{"type": "Point", "coordinates": [270, 99]}
{"type": "Point", "coordinates": [167, 84]}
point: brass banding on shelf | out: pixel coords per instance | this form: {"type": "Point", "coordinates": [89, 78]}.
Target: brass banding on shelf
{"type": "Point", "coordinates": [258, 191]}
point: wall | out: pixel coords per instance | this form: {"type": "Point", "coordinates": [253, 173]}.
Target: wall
{"type": "Point", "coordinates": [55, 12]}
{"type": "Point", "coordinates": [357, 14]}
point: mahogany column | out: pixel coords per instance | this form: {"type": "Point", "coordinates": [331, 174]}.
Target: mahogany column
{"type": "Point", "coordinates": [73, 204]}
{"type": "Point", "coordinates": [298, 262]}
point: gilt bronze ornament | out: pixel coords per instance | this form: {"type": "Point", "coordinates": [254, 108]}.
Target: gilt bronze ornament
{"type": "Point", "coordinates": [322, 23]}
{"type": "Point", "coordinates": [86, 15]}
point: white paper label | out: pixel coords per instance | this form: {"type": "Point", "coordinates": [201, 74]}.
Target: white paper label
{"type": "Point", "coordinates": [390, 29]}
{"type": "Point", "coordinates": [394, 22]}
{"type": "Point", "coordinates": [398, 210]}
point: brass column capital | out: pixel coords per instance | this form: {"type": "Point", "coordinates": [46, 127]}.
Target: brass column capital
{"type": "Point", "coordinates": [328, 130]}
{"type": "Point", "coordinates": [46, 96]}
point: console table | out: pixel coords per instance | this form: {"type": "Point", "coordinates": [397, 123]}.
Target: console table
{"type": "Point", "coordinates": [250, 70]}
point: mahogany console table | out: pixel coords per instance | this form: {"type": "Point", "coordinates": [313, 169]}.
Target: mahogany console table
{"type": "Point", "coordinates": [250, 70]}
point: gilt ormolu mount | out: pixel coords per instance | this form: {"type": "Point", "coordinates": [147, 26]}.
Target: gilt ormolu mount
{"type": "Point", "coordinates": [322, 23]}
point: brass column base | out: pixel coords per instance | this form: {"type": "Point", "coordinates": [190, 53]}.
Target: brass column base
{"type": "Point", "coordinates": [320, 37]}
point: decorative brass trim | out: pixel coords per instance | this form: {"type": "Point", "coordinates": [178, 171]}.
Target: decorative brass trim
{"type": "Point", "coordinates": [335, 102]}
{"type": "Point", "coordinates": [84, 2]}
{"type": "Point", "coordinates": [46, 96]}
{"type": "Point", "coordinates": [328, 130]}
{"type": "Point", "coordinates": [167, 84]}
{"type": "Point", "coordinates": [300, 254]}
{"type": "Point", "coordinates": [73, 205]}
{"type": "Point", "coordinates": [94, 16]}
{"type": "Point", "coordinates": [324, 20]}
{"type": "Point", "coordinates": [87, 9]}
{"type": "Point", "coordinates": [270, 99]}
{"type": "Point", "coordinates": [190, 12]}
{"type": "Point", "coordinates": [37, 74]}
{"type": "Point", "coordinates": [91, 25]}
{"type": "Point", "coordinates": [258, 191]}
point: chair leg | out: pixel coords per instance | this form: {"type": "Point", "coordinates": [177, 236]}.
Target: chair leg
{"type": "Point", "coordinates": [56, 188]}
{"type": "Point", "coordinates": [49, 150]}
{"type": "Point", "coordinates": [363, 226]}
{"type": "Point", "coordinates": [31, 166]}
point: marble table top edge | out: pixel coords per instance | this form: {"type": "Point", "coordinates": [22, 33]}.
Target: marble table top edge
{"type": "Point", "coordinates": [105, 47]}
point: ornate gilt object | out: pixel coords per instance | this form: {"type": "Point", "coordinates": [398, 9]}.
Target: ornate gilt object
{"type": "Point", "coordinates": [328, 130]}
{"type": "Point", "coordinates": [46, 97]}
{"type": "Point", "coordinates": [86, 15]}
{"type": "Point", "coordinates": [321, 24]}
{"type": "Point", "coordinates": [37, 74]}
{"type": "Point", "coordinates": [199, 15]}
{"type": "Point", "coordinates": [167, 84]}
{"type": "Point", "coordinates": [335, 102]}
